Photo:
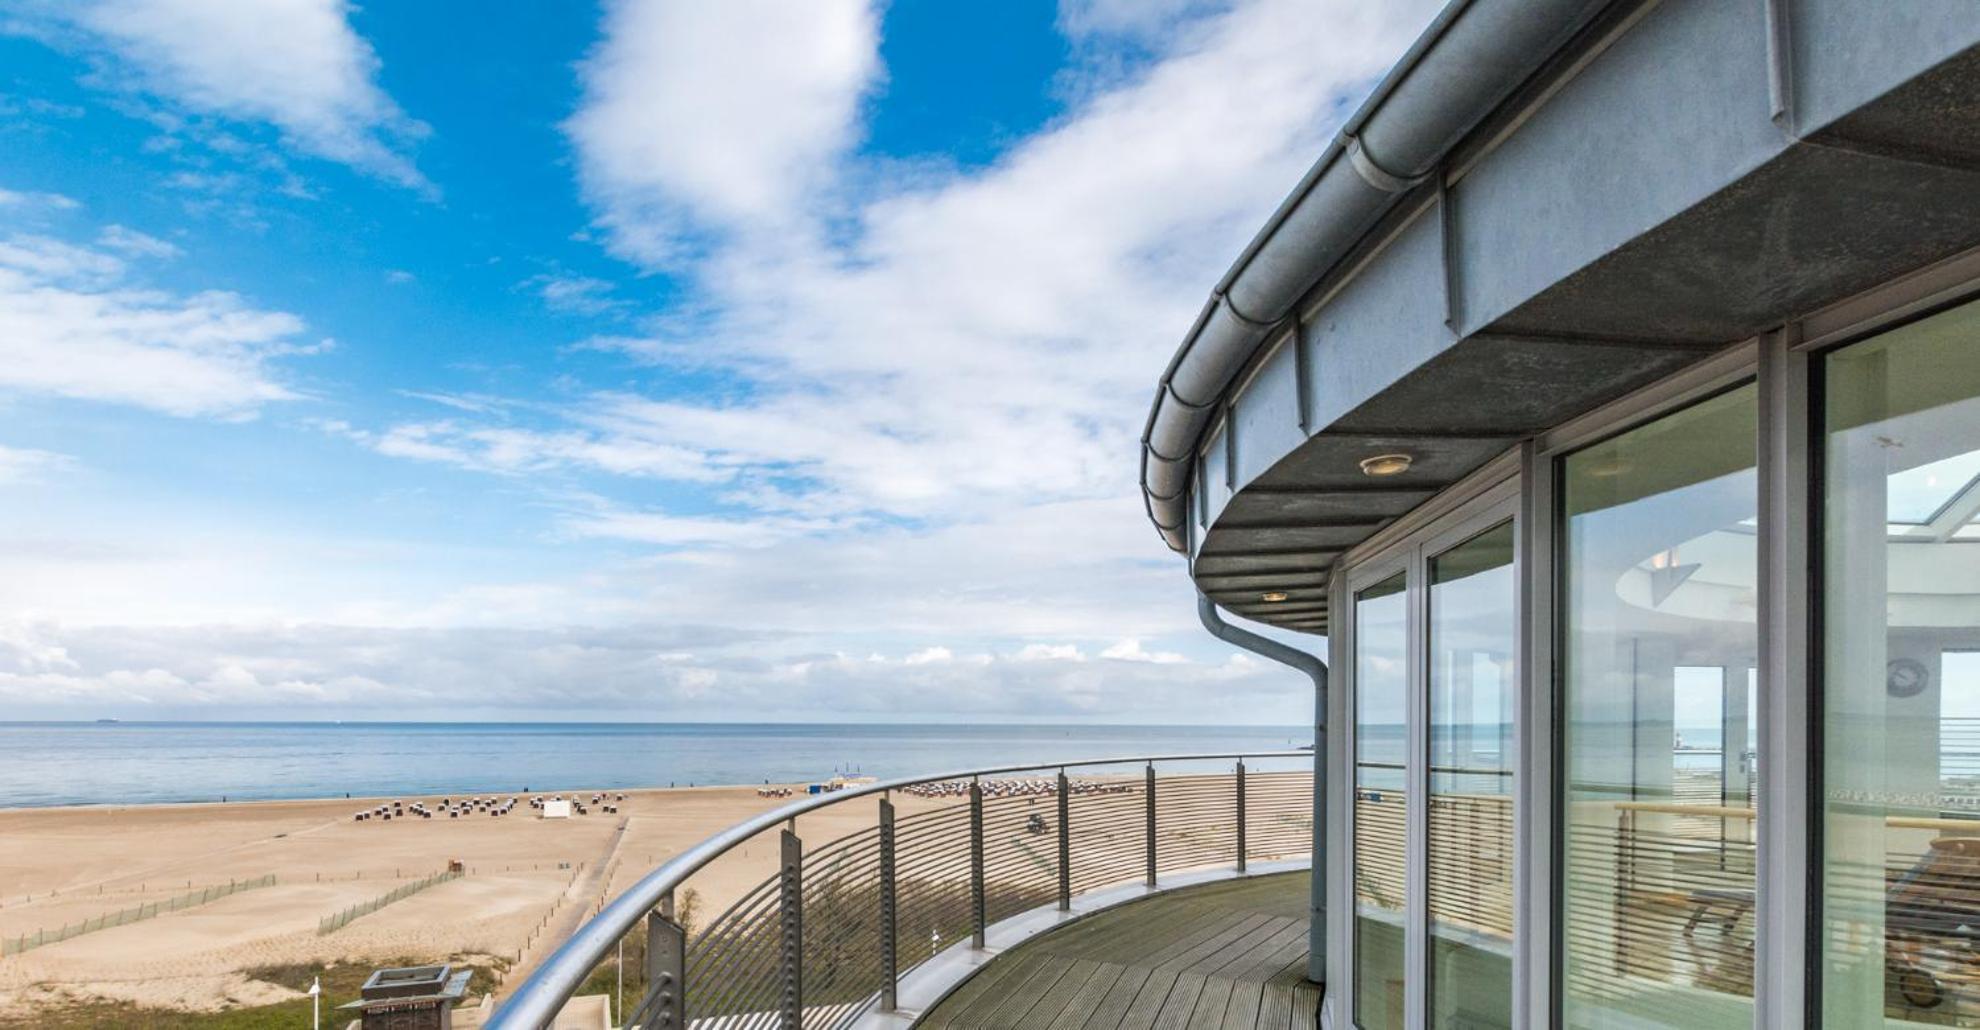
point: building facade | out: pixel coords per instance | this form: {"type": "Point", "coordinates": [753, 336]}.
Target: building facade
{"type": "Point", "coordinates": [1608, 396]}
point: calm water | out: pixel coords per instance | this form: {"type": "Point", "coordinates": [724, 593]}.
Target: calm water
{"type": "Point", "coordinates": [121, 763]}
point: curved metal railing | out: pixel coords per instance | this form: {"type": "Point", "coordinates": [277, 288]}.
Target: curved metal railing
{"type": "Point", "coordinates": [828, 934]}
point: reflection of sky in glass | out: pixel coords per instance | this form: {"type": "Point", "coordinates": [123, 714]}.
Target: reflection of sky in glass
{"type": "Point", "coordinates": [1918, 494]}
{"type": "Point", "coordinates": [1959, 685]}
{"type": "Point", "coordinates": [1699, 703]}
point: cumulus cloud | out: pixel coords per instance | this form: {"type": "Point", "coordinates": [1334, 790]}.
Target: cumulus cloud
{"type": "Point", "coordinates": [989, 334]}
{"type": "Point", "coordinates": [49, 669]}
{"type": "Point", "coordinates": [716, 117]}
{"type": "Point", "coordinates": [297, 65]}
{"type": "Point", "coordinates": [931, 461]}
{"type": "Point", "coordinates": [74, 323]}
{"type": "Point", "coordinates": [920, 496]}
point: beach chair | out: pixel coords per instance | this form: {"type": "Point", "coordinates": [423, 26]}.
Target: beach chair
{"type": "Point", "coordinates": [1932, 923]}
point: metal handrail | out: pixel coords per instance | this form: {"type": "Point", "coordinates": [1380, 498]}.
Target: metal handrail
{"type": "Point", "coordinates": [543, 995]}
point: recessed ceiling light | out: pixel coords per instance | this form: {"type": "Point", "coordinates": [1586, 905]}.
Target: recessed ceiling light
{"type": "Point", "coordinates": [1385, 464]}
{"type": "Point", "coordinates": [1273, 596]}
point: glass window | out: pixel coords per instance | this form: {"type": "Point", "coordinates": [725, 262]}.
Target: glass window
{"type": "Point", "coordinates": [1658, 576]}
{"type": "Point", "coordinates": [1381, 743]}
{"type": "Point", "coordinates": [1473, 636]}
{"type": "Point", "coordinates": [1901, 677]}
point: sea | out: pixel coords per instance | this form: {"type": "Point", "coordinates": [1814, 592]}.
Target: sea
{"type": "Point", "coordinates": [117, 763]}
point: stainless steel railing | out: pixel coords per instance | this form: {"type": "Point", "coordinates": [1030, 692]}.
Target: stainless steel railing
{"type": "Point", "coordinates": [829, 935]}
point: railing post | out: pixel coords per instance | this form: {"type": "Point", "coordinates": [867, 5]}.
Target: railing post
{"type": "Point", "coordinates": [1625, 822]}
{"type": "Point", "coordinates": [1065, 843]}
{"type": "Point", "coordinates": [790, 905]}
{"type": "Point", "coordinates": [1241, 850]}
{"type": "Point", "coordinates": [976, 908]}
{"type": "Point", "coordinates": [1150, 788]}
{"type": "Point", "coordinates": [889, 958]}
{"type": "Point", "coordinates": [666, 968]}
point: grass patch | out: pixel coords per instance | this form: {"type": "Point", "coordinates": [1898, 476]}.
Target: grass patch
{"type": "Point", "coordinates": [340, 985]}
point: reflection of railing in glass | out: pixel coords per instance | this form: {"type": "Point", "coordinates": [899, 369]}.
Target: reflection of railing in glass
{"type": "Point", "coordinates": [1926, 897]}
{"type": "Point", "coordinates": [1683, 907]}
{"type": "Point", "coordinates": [1471, 840]}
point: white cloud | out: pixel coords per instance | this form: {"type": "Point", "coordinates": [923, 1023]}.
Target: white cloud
{"type": "Point", "coordinates": [663, 529]}
{"type": "Point", "coordinates": [575, 294]}
{"type": "Point", "coordinates": [26, 464]}
{"type": "Point", "coordinates": [1142, 19]}
{"type": "Point", "coordinates": [919, 496]}
{"type": "Point", "coordinates": [295, 64]}
{"type": "Point", "coordinates": [131, 243]}
{"type": "Point", "coordinates": [1130, 650]}
{"type": "Point", "coordinates": [73, 324]}
{"type": "Point", "coordinates": [54, 201]}
{"type": "Point", "coordinates": [512, 450]}
{"type": "Point", "coordinates": [718, 116]}
{"type": "Point", "coordinates": [929, 656]}
{"type": "Point", "coordinates": [944, 390]}
{"type": "Point", "coordinates": [986, 337]}
{"type": "Point", "coordinates": [1050, 652]}
{"type": "Point", "coordinates": [50, 669]}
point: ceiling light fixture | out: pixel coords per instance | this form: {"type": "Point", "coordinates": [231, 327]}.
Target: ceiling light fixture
{"type": "Point", "coordinates": [1385, 464]}
{"type": "Point", "coordinates": [1272, 596]}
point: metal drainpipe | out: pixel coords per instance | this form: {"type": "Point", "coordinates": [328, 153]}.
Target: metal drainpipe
{"type": "Point", "coordinates": [1315, 669]}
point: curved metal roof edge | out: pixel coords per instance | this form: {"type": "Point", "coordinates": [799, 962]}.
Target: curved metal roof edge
{"type": "Point", "coordinates": [1473, 55]}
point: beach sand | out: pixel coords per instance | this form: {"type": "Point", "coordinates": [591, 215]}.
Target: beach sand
{"type": "Point", "coordinates": [529, 880]}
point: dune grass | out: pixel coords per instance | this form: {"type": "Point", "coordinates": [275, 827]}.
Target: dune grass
{"type": "Point", "coordinates": [340, 985]}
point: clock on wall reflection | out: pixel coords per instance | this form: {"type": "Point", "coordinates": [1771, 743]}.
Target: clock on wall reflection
{"type": "Point", "coordinates": [1906, 677]}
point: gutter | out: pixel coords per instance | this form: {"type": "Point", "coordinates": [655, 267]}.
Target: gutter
{"type": "Point", "coordinates": [1471, 58]}
{"type": "Point", "coordinates": [1316, 670]}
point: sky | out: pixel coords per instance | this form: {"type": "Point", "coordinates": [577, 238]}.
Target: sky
{"type": "Point", "coordinates": [656, 359]}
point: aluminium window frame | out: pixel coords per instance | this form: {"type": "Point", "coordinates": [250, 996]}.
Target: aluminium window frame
{"type": "Point", "coordinates": [1784, 363]}
{"type": "Point", "coordinates": [1485, 499]}
{"type": "Point", "coordinates": [1791, 381]}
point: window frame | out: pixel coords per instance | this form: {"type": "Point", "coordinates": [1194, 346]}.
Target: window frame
{"type": "Point", "coordinates": [1480, 502]}
{"type": "Point", "coordinates": [1784, 362]}
{"type": "Point", "coordinates": [1794, 903]}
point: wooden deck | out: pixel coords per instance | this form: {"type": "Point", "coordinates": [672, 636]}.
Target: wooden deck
{"type": "Point", "coordinates": [1227, 956]}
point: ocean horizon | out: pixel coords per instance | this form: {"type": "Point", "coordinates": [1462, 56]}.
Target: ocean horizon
{"type": "Point", "coordinates": [125, 763]}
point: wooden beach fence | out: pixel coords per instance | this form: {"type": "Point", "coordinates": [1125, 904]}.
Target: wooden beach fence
{"type": "Point", "coordinates": [333, 923]}
{"type": "Point", "coordinates": [136, 913]}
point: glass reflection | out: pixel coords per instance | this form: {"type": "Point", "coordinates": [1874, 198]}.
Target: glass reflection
{"type": "Point", "coordinates": [1381, 704]}
{"type": "Point", "coordinates": [1658, 622]}
{"type": "Point", "coordinates": [1473, 635]}
{"type": "Point", "coordinates": [1901, 677]}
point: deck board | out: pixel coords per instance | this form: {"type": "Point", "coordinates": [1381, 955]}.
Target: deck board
{"type": "Point", "coordinates": [1225, 956]}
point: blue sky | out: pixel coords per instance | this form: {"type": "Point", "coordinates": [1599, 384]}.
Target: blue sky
{"type": "Point", "coordinates": [681, 360]}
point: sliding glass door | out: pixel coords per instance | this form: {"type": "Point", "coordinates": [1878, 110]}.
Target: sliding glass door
{"type": "Point", "coordinates": [1658, 592]}
{"type": "Point", "coordinates": [1433, 639]}
{"type": "Point", "coordinates": [1474, 633]}
{"type": "Point", "coordinates": [1901, 677]}
{"type": "Point", "coordinates": [1381, 743]}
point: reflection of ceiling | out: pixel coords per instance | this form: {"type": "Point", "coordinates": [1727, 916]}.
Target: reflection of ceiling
{"type": "Point", "coordinates": [1932, 583]}
{"type": "Point", "coordinates": [1709, 577]}
{"type": "Point", "coordinates": [1924, 494]}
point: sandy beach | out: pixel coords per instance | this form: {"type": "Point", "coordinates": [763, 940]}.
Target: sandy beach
{"type": "Point", "coordinates": [527, 881]}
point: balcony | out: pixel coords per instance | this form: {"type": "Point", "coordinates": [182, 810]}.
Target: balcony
{"type": "Point", "coordinates": [1170, 881]}
{"type": "Point", "coordinates": [1229, 954]}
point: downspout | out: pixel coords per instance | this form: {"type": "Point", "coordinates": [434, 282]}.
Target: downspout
{"type": "Point", "coordinates": [1316, 670]}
